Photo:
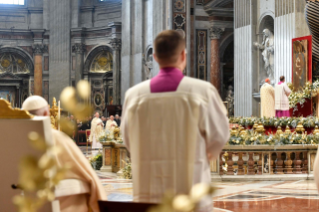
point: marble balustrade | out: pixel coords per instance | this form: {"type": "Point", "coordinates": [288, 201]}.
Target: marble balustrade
{"type": "Point", "coordinates": [265, 160]}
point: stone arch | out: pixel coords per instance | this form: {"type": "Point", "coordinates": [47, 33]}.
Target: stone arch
{"type": "Point", "coordinates": [227, 65]}
{"type": "Point", "coordinates": [92, 54]}
{"type": "Point", "coordinates": [23, 54]}
{"type": "Point", "coordinates": [266, 20]}
{"type": "Point", "coordinates": [224, 44]}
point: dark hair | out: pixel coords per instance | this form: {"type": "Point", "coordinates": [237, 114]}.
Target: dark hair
{"type": "Point", "coordinates": [282, 78]}
{"type": "Point", "coordinates": [167, 45]}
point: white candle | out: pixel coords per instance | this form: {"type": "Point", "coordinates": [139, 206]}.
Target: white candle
{"type": "Point", "coordinates": [59, 115]}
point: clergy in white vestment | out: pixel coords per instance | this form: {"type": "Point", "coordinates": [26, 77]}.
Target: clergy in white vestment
{"type": "Point", "coordinates": [172, 125]}
{"type": "Point", "coordinates": [71, 154]}
{"type": "Point", "coordinates": [267, 100]}
{"type": "Point", "coordinates": [282, 92]}
{"type": "Point", "coordinates": [96, 130]}
{"type": "Point", "coordinates": [111, 124]}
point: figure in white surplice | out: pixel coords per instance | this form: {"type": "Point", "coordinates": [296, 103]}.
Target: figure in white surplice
{"type": "Point", "coordinates": [96, 130]}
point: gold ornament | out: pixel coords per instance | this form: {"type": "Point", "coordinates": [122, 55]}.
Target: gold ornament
{"type": "Point", "coordinates": [260, 129]}
{"type": "Point", "coordinates": [287, 131]}
{"type": "Point", "coordinates": [255, 126]}
{"type": "Point", "coordinates": [316, 131]}
{"type": "Point", "coordinates": [300, 129]}
{"type": "Point", "coordinates": [279, 131]}
{"type": "Point", "coordinates": [234, 131]}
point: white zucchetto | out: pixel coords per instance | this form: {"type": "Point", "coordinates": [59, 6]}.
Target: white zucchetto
{"type": "Point", "coordinates": [34, 103]}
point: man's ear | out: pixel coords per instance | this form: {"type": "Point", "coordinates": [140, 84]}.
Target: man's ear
{"type": "Point", "coordinates": [46, 113]}
{"type": "Point", "coordinates": [155, 57]}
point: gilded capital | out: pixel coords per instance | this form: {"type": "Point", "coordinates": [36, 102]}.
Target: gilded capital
{"type": "Point", "coordinates": [78, 48]}
{"type": "Point", "coordinates": [215, 32]}
{"type": "Point", "coordinates": [116, 43]}
{"type": "Point", "coordinates": [39, 48]}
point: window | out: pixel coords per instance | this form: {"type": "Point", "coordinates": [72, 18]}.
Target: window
{"type": "Point", "coordinates": [16, 2]}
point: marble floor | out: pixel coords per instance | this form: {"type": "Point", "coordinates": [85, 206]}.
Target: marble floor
{"type": "Point", "coordinates": [261, 196]}
{"type": "Point", "coordinates": [248, 196]}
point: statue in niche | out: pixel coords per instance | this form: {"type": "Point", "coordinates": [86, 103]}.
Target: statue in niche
{"type": "Point", "coordinates": [267, 47]}
{"type": "Point", "coordinates": [230, 101]}
{"type": "Point", "coordinates": [148, 64]}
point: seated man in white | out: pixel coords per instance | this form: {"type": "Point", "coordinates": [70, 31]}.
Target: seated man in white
{"type": "Point", "coordinates": [80, 167]}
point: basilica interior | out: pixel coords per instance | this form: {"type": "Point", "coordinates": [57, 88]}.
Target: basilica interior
{"type": "Point", "coordinates": [267, 164]}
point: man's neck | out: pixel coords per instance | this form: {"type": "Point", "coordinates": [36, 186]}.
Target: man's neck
{"type": "Point", "coordinates": [171, 66]}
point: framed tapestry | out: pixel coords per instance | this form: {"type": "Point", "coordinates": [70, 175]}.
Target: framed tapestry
{"type": "Point", "coordinates": [301, 61]}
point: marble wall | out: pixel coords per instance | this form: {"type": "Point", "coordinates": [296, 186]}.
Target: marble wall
{"type": "Point", "coordinates": [59, 25]}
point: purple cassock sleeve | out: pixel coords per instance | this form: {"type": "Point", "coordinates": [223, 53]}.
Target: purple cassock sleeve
{"type": "Point", "coordinates": [167, 80]}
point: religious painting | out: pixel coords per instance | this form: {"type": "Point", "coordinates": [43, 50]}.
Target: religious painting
{"type": "Point", "coordinates": [9, 96]}
{"type": "Point", "coordinates": [98, 99]}
{"type": "Point", "coordinates": [301, 62]}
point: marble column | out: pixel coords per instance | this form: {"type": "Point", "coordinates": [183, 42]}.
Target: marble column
{"type": "Point", "coordinates": [38, 50]}
{"type": "Point", "coordinates": [215, 74]}
{"type": "Point", "coordinates": [78, 49]}
{"type": "Point", "coordinates": [116, 45]}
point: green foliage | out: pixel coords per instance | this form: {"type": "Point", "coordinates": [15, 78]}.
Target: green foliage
{"type": "Point", "coordinates": [96, 162]}
{"type": "Point", "coordinates": [252, 138]}
{"type": "Point", "coordinates": [309, 122]}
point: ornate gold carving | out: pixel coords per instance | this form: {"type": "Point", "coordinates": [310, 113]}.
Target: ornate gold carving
{"type": "Point", "coordinates": [7, 112]}
{"type": "Point", "coordinates": [54, 110]}
{"type": "Point", "coordinates": [5, 63]}
{"type": "Point", "coordinates": [116, 132]}
{"type": "Point", "coordinates": [102, 63]}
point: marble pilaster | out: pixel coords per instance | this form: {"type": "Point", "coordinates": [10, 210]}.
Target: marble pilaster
{"type": "Point", "coordinates": [116, 45]}
{"type": "Point", "coordinates": [60, 47]}
{"type": "Point", "coordinates": [78, 49]}
{"type": "Point", "coordinates": [38, 50]}
{"type": "Point", "coordinates": [215, 74]}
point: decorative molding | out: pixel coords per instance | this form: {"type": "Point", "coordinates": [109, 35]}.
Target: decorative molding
{"type": "Point", "coordinates": [9, 76]}
{"type": "Point", "coordinates": [116, 43]}
{"type": "Point", "coordinates": [220, 11]}
{"type": "Point", "coordinates": [39, 48]}
{"type": "Point", "coordinates": [215, 32]}
{"type": "Point", "coordinates": [179, 6]}
{"type": "Point", "coordinates": [78, 48]}
{"type": "Point", "coordinates": [201, 52]}
{"type": "Point", "coordinates": [179, 20]}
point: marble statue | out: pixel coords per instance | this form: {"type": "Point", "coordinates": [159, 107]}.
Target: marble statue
{"type": "Point", "coordinates": [148, 66]}
{"type": "Point", "coordinates": [267, 47]}
{"type": "Point", "coordinates": [230, 101]}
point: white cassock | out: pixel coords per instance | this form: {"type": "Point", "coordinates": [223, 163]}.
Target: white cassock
{"type": "Point", "coordinates": [80, 170]}
{"type": "Point", "coordinates": [267, 101]}
{"type": "Point", "coordinates": [169, 136]}
{"type": "Point", "coordinates": [109, 124]}
{"type": "Point", "coordinates": [96, 130]}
